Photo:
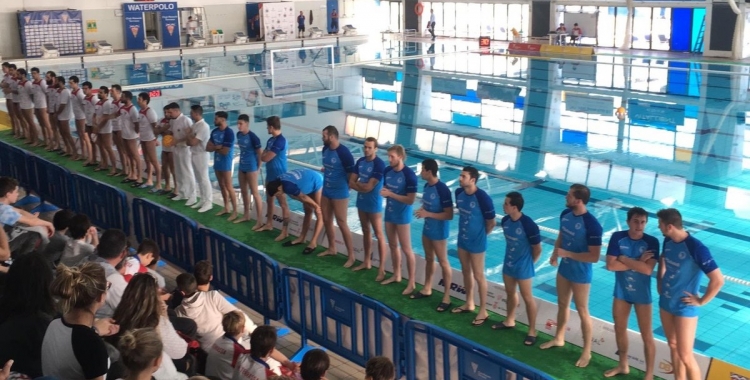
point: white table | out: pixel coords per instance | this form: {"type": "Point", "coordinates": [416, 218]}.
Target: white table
{"type": "Point", "coordinates": [557, 37]}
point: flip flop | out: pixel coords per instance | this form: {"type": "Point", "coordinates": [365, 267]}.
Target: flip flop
{"type": "Point", "coordinates": [137, 185]}
{"type": "Point", "coordinates": [502, 326]}
{"type": "Point", "coordinates": [460, 310]}
{"type": "Point", "coordinates": [290, 243]}
{"type": "Point", "coordinates": [479, 321]}
{"type": "Point", "coordinates": [530, 340]}
{"type": "Point", "coordinates": [443, 307]}
{"type": "Point", "coordinates": [308, 251]}
{"type": "Point", "coordinates": [155, 191]}
{"type": "Point", "coordinates": [418, 295]}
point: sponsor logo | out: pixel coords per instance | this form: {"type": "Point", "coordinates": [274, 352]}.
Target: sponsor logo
{"type": "Point", "coordinates": [550, 324]}
{"type": "Point", "coordinates": [734, 376]}
{"type": "Point", "coordinates": [454, 287]}
{"type": "Point", "coordinates": [666, 367]}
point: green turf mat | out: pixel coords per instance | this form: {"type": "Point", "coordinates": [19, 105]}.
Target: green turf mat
{"type": "Point", "coordinates": [558, 362]}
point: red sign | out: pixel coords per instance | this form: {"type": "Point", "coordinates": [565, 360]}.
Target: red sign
{"type": "Point", "coordinates": [484, 41]}
{"type": "Point", "coordinates": [154, 94]}
{"type": "Point", "coordinates": [517, 46]}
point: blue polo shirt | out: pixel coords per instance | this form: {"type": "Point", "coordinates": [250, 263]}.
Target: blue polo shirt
{"type": "Point", "coordinates": [248, 143]}
{"type": "Point", "coordinates": [301, 181]}
{"type": "Point", "coordinates": [338, 164]}
{"type": "Point", "coordinates": [223, 139]}
{"type": "Point", "coordinates": [435, 198]}
{"type": "Point", "coordinates": [278, 165]}
{"type": "Point", "coordinates": [371, 201]}
{"type": "Point", "coordinates": [685, 264]}
{"type": "Point", "coordinates": [402, 183]}
{"type": "Point", "coordinates": [578, 233]}
{"type": "Point", "coordinates": [632, 286]}
{"type": "Point", "coordinates": [473, 209]}
{"type": "Point", "coordinates": [520, 235]}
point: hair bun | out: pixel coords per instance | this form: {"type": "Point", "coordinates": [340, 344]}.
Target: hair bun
{"type": "Point", "coordinates": [127, 343]}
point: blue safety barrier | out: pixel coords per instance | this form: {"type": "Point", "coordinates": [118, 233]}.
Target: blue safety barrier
{"type": "Point", "coordinates": [433, 353]}
{"type": "Point", "coordinates": [105, 205]}
{"type": "Point", "coordinates": [5, 164]}
{"type": "Point", "coordinates": [175, 233]}
{"type": "Point", "coordinates": [18, 166]}
{"type": "Point", "coordinates": [244, 273]}
{"type": "Point", "coordinates": [53, 184]}
{"type": "Point", "coordinates": [349, 324]}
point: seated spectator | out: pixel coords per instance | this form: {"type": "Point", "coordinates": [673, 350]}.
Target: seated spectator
{"type": "Point", "coordinates": [141, 353]}
{"type": "Point", "coordinates": [5, 259]}
{"type": "Point", "coordinates": [26, 309]}
{"type": "Point", "coordinates": [380, 368]}
{"type": "Point", "coordinates": [203, 272]}
{"type": "Point", "coordinates": [83, 241]}
{"type": "Point", "coordinates": [314, 365]}
{"type": "Point", "coordinates": [207, 310]}
{"type": "Point", "coordinates": [253, 366]}
{"type": "Point", "coordinates": [147, 253]}
{"type": "Point", "coordinates": [141, 308]}
{"type": "Point", "coordinates": [72, 348]}
{"type": "Point", "coordinates": [60, 239]}
{"type": "Point", "coordinates": [112, 248]}
{"type": "Point", "coordinates": [223, 354]}
{"type": "Point", "coordinates": [21, 239]}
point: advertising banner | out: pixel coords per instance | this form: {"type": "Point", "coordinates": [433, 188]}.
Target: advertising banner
{"type": "Point", "coordinates": [64, 29]}
{"type": "Point", "coordinates": [135, 31]}
{"type": "Point", "coordinates": [132, 14]}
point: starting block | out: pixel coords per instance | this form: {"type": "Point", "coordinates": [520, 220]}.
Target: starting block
{"type": "Point", "coordinates": [279, 35]}
{"type": "Point", "coordinates": [152, 43]}
{"type": "Point", "coordinates": [315, 32]}
{"type": "Point", "coordinates": [350, 30]}
{"type": "Point", "coordinates": [103, 47]}
{"type": "Point", "coordinates": [197, 41]}
{"type": "Point", "coordinates": [240, 38]}
{"type": "Point", "coordinates": [50, 51]}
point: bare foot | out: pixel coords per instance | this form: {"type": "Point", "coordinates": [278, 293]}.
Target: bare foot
{"type": "Point", "coordinates": [391, 280]}
{"type": "Point", "coordinates": [327, 253]}
{"type": "Point", "coordinates": [584, 360]}
{"type": "Point", "coordinates": [281, 236]}
{"type": "Point", "coordinates": [619, 370]}
{"type": "Point", "coordinates": [362, 267]}
{"type": "Point", "coordinates": [246, 219]}
{"type": "Point", "coordinates": [349, 262]}
{"type": "Point", "coordinates": [265, 227]}
{"type": "Point", "coordinates": [232, 217]}
{"type": "Point", "coordinates": [296, 241]}
{"type": "Point", "coordinates": [552, 343]}
{"type": "Point", "coordinates": [409, 290]}
{"type": "Point", "coordinates": [380, 277]}
{"type": "Point", "coordinates": [222, 212]}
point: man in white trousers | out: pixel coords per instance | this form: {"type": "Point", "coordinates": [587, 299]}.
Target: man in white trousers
{"type": "Point", "coordinates": [184, 177]}
{"type": "Point", "coordinates": [197, 138]}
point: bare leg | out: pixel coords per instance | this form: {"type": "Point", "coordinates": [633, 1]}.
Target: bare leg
{"type": "Point", "coordinates": [668, 322]}
{"type": "Point", "coordinates": [318, 223]}
{"type": "Point", "coordinates": [257, 201]}
{"type": "Point", "coordinates": [70, 146]}
{"type": "Point", "coordinates": [685, 330]}
{"type": "Point", "coordinates": [390, 231]}
{"type": "Point", "coordinates": [404, 238]}
{"type": "Point", "coordinates": [364, 221]}
{"type": "Point", "coordinates": [643, 312]}
{"type": "Point", "coordinates": [429, 267]}
{"type": "Point", "coordinates": [134, 160]}
{"type": "Point", "coordinates": [340, 209]}
{"type": "Point", "coordinates": [32, 134]}
{"type": "Point", "coordinates": [468, 274]}
{"type": "Point", "coordinates": [528, 299]}
{"type": "Point", "coordinates": [511, 300]}
{"type": "Point", "coordinates": [244, 193]}
{"type": "Point", "coordinates": [149, 152]}
{"type": "Point", "coordinates": [285, 212]}
{"type": "Point", "coordinates": [106, 145]}
{"type": "Point", "coordinates": [477, 268]}
{"type": "Point", "coordinates": [167, 169]}
{"type": "Point", "coordinates": [327, 206]}
{"type": "Point", "coordinates": [564, 295]}
{"type": "Point", "coordinates": [620, 314]}
{"type": "Point", "coordinates": [117, 138]}
{"type": "Point", "coordinates": [441, 251]}
{"type": "Point", "coordinates": [84, 139]}
{"type": "Point", "coordinates": [581, 298]}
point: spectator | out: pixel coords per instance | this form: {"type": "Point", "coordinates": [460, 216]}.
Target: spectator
{"type": "Point", "coordinates": [206, 309]}
{"type": "Point", "coordinates": [147, 253]}
{"type": "Point", "coordinates": [314, 365]}
{"type": "Point", "coordinates": [60, 239]}
{"type": "Point", "coordinates": [141, 352]}
{"type": "Point", "coordinates": [224, 352]}
{"type": "Point", "coordinates": [203, 273]}
{"type": "Point", "coordinates": [112, 248]}
{"type": "Point", "coordinates": [72, 348]}
{"type": "Point", "coordinates": [380, 368]}
{"type": "Point", "coordinates": [26, 309]}
{"type": "Point", "coordinates": [10, 216]}
{"type": "Point", "coordinates": [141, 308]}
{"type": "Point", "coordinates": [4, 257]}
{"type": "Point", "coordinates": [253, 365]}
{"type": "Point", "coordinates": [83, 240]}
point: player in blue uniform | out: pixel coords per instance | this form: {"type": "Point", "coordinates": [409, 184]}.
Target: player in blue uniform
{"type": "Point", "coordinates": [306, 186]}
{"type": "Point", "coordinates": [367, 181]}
{"type": "Point", "coordinates": [683, 260]}
{"type": "Point", "coordinates": [274, 156]}
{"type": "Point", "coordinates": [437, 211]}
{"type": "Point", "coordinates": [250, 153]}
{"type": "Point", "coordinates": [522, 250]}
{"type": "Point", "coordinates": [579, 245]}
{"type": "Point", "coordinates": [632, 255]}
{"type": "Point", "coordinates": [338, 170]}
{"type": "Point", "coordinates": [222, 144]}
{"type": "Point", "coordinates": [476, 221]}
{"type": "Point", "coordinates": [400, 191]}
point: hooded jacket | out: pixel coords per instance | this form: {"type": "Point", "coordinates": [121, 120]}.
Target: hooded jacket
{"type": "Point", "coordinates": [207, 310]}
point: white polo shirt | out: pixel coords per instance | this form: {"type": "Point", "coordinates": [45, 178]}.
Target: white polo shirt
{"type": "Point", "coordinates": [40, 93]}
{"type": "Point", "coordinates": [180, 124]}
{"type": "Point", "coordinates": [202, 133]}
{"type": "Point", "coordinates": [64, 98]}
{"type": "Point", "coordinates": [128, 118]}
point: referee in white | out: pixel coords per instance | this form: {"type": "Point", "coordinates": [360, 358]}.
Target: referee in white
{"type": "Point", "coordinates": [184, 176]}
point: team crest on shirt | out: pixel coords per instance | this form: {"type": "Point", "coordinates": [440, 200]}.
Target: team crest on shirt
{"type": "Point", "coordinates": [681, 255]}
{"type": "Point", "coordinates": [399, 180]}
{"type": "Point", "coordinates": [518, 231]}
{"type": "Point", "coordinates": [369, 169]}
{"type": "Point", "coordinates": [432, 196]}
{"type": "Point", "coordinates": [642, 249]}
{"type": "Point", "coordinates": [472, 204]}
{"type": "Point", "coordinates": [333, 160]}
{"type": "Point", "coordinates": [578, 226]}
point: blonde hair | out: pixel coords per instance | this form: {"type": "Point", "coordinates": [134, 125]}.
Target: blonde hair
{"type": "Point", "coordinates": [233, 322]}
{"type": "Point", "coordinates": [399, 149]}
{"type": "Point", "coordinates": [78, 288]}
{"type": "Point", "coordinates": [139, 348]}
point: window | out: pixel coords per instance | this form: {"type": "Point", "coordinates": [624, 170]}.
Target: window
{"type": "Point", "coordinates": [382, 97]}
{"type": "Point", "coordinates": [362, 127]}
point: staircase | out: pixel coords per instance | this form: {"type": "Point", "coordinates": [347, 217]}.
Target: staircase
{"type": "Point", "coordinates": [698, 46]}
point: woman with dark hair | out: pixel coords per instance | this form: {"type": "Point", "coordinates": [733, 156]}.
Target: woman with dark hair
{"type": "Point", "coordinates": [26, 309]}
{"type": "Point", "coordinates": [140, 308]}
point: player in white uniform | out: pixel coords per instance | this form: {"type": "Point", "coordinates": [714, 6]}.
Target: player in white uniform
{"type": "Point", "coordinates": [115, 91]}
{"type": "Point", "coordinates": [51, 107]}
{"type": "Point", "coordinates": [197, 137]}
{"type": "Point", "coordinates": [63, 115]}
{"type": "Point", "coordinates": [7, 78]}
{"type": "Point", "coordinates": [184, 176]}
{"type": "Point", "coordinates": [146, 124]}
{"type": "Point", "coordinates": [89, 110]}
{"type": "Point", "coordinates": [39, 92]}
{"type": "Point", "coordinates": [27, 106]}
{"type": "Point", "coordinates": [103, 130]}
{"type": "Point", "coordinates": [22, 128]}
{"type": "Point", "coordinates": [76, 99]}
{"type": "Point", "coordinates": [129, 133]}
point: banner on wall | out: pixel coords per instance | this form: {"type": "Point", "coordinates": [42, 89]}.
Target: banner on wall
{"type": "Point", "coordinates": [134, 30]}
{"type": "Point", "coordinates": [133, 22]}
{"type": "Point", "coordinates": [278, 16]}
{"type": "Point", "coordinates": [64, 29]}
{"type": "Point", "coordinates": [170, 29]}
{"type": "Point", "coordinates": [253, 26]}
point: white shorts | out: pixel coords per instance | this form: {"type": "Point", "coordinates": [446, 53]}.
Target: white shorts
{"type": "Point", "coordinates": [79, 115]}
{"type": "Point", "coordinates": [41, 102]}
{"type": "Point", "coordinates": [147, 134]}
{"type": "Point", "coordinates": [107, 128]}
{"type": "Point", "coordinates": [129, 133]}
{"type": "Point", "coordinates": [116, 127]}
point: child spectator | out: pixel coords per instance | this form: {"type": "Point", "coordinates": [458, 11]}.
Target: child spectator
{"type": "Point", "coordinates": [203, 273]}
{"type": "Point", "coordinates": [60, 239]}
{"type": "Point", "coordinates": [83, 240]}
{"type": "Point", "coordinates": [21, 239]}
{"type": "Point", "coordinates": [379, 368]}
{"type": "Point", "coordinates": [224, 353]}
{"type": "Point", "coordinates": [141, 353]}
{"type": "Point", "coordinates": [253, 366]}
{"type": "Point", "coordinates": [147, 253]}
{"type": "Point", "coordinates": [314, 365]}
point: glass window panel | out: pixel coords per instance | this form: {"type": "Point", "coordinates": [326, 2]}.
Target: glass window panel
{"type": "Point", "coordinates": [670, 188]}
{"type": "Point", "coordinates": [642, 28]}
{"type": "Point", "coordinates": [462, 19]}
{"type": "Point", "coordinates": [598, 173]}
{"type": "Point", "coordinates": [384, 106]}
{"type": "Point", "coordinates": [487, 20]}
{"type": "Point", "coordinates": [439, 25]}
{"type": "Point", "coordinates": [515, 18]}
{"type": "Point", "coordinates": [501, 23]}
{"type": "Point", "coordinates": [643, 183]}
{"type": "Point", "coordinates": [466, 107]}
{"type": "Point", "coordinates": [605, 31]}
{"type": "Point", "coordinates": [486, 152]}
{"type": "Point", "coordinates": [474, 27]}
{"type": "Point", "coordinates": [471, 149]}
{"type": "Point", "coordinates": [651, 149]}
{"type": "Point", "coordinates": [577, 170]}
{"type": "Point", "coordinates": [505, 157]}
{"type": "Point", "coordinates": [619, 179]}
{"type": "Point", "coordinates": [455, 146]}
{"type": "Point", "coordinates": [395, 20]}
{"type": "Point", "coordinates": [423, 138]}
{"type": "Point", "coordinates": [449, 19]}
{"type": "Point", "coordinates": [662, 28]}
{"type": "Point", "coordinates": [555, 166]}
{"type": "Point", "coordinates": [603, 128]}
{"type": "Point", "coordinates": [603, 142]}
{"type": "Point", "coordinates": [388, 133]}
{"type": "Point", "coordinates": [621, 20]}
{"type": "Point", "coordinates": [525, 21]}
{"type": "Point", "coordinates": [573, 123]}
{"type": "Point", "coordinates": [373, 128]}
{"type": "Point", "coordinates": [360, 128]}
{"type": "Point", "coordinates": [349, 128]}
{"type": "Point", "coordinates": [462, 62]}
{"type": "Point", "coordinates": [440, 143]}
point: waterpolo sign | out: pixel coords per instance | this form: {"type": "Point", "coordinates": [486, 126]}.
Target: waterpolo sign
{"type": "Point", "coordinates": [132, 14]}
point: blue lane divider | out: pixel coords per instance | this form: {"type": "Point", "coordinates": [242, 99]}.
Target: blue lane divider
{"type": "Point", "coordinates": [244, 273]}
{"type": "Point", "coordinates": [436, 354]}
{"type": "Point", "coordinates": [174, 233]}
{"type": "Point", "coordinates": [105, 205]}
{"type": "Point", "coordinates": [349, 324]}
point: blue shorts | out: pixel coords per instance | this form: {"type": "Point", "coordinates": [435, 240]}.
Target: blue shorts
{"type": "Point", "coordinates": [677, 308]}
{"type": "Point", "coordinates": [222, 164]}
{"type": "Point", "coordinates": [435, 230]}
{"type": "Point", "coordinates": [519, 272]}
{"type": "Point", "coordinates": [336, 191]}
{"type": "Point", "coordinates": [474, 249]}
{"type": "Point", "coordinates": [248, 168]}
{"type": "Point", "coordinates": [395, 218]}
